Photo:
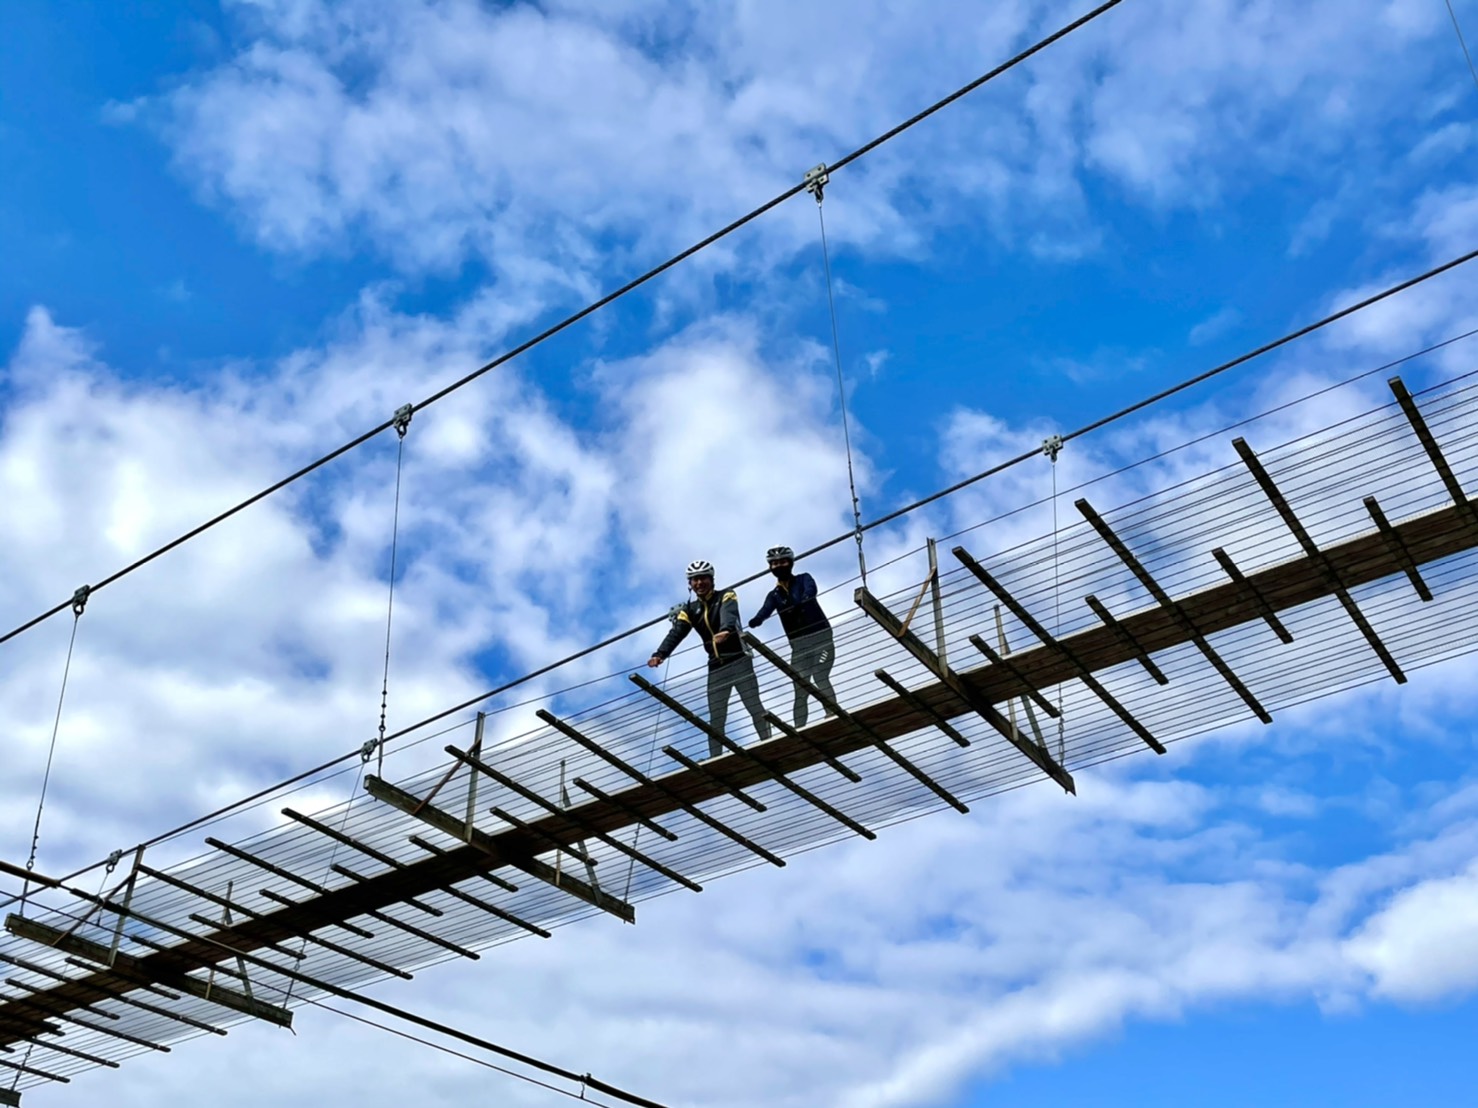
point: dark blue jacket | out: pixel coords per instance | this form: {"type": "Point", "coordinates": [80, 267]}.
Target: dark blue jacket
{"type": "Point", "coordinates": [795, 600]}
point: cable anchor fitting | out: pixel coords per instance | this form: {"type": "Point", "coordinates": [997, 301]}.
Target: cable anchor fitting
{"type": "Point", "coordinates": [816, 181]}
{"type": "Point", "coordinates": [1052, 447]}
{"type": "Point", "coordinates": [79, 599]}
{"type": "Point", "coordinates": [402, 422]}
{"type": "Point", "coordinates": [367, 751]}
{"type": "Point", "coordinates": [113, 860]}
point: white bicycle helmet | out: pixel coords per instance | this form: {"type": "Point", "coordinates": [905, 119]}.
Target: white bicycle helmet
{"type": "Point", "coordinates": [700, 568]}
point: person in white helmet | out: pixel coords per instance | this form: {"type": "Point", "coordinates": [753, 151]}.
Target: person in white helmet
{"type": "Point", "coordinates": [716, 617]}
{"type": "Point", "coordinates": [812, 649]}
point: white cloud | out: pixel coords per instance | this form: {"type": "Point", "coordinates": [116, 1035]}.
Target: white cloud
{"type": "Point", "coordinates": [542, 140]}
{"type": "Point", "coordinates": [1214, 326]}
{"type": "Point", "coordinates": [1423, 945]}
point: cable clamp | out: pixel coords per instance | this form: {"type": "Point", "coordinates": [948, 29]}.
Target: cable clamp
{"type": "Point", "coordinates": [816, 181]}
{"type": "Point", "coordinates": [79, 599]}
{"type": "Point", "coordinates": [367, 751]}
{"type": "Point", "coordinates": [402, 422]}
{"type": "Point", "coordinates": [1052, 447]}
{"type": "Point", "coordinates": [114, 859]}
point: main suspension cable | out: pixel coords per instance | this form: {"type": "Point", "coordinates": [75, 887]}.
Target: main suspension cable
{"type": "Point", "coordinates": [402, 424]}
{"type": "Point", "coordinates": [817, 181]}
{"type": "Point", "coordinates": [454, 1053]}
{"type": "Point", "coordinates": [589, 309]}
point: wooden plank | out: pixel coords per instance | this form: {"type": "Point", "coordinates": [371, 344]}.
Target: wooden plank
{"type": "Point", "coordinates": [636, 817]}
{"type": "Point", "coordinates": [118, 995]}
{"type": "Point", "coordinates": [32, 1071]}
{"type": "Point", "coordinates": [95, 952]}
{"type": "Point", "coordinates": [73, 1052]}
{"type": "Point", "coordinates": [924, 708]}
{"type": "Point", "coordinates": [364, 848]}
{"type": "Point", "coordinates": [30, 1026]}
{"type": "Point", "coordinates": [1291, 520]}
{"type": "Point", "coordinates": [1080, 669]}
{"type": "Point", "coordinates": [449, 824]}
{"type": "Point", "coordinates": [776, 775]}
{"type": "Point", "coordinates": [867, 732]}
{"type": "Point", "coordinates": [1010, 667]}
{"type": "Point", "coordinates": [479, 766]}
{"type": "Point", "coordinates": [478, 902]}
{"type": "Point", "coordinates": [213, 898]}
{"type": "Point", "coordinates": [1269, 616]}
{"type": "Point", "coordinates": [880, 614]}
{"type": "Point", "coordinates": [666, 792]}
{"type": "Point", "coordinates": [698, 769]}
{"type": "Point", "coordinates": [821, 752]}
{"type": "Point", "coordinates": [1127, 639]}
{"type": "Point", "coordinates": [1429, 444]}
{"type": "Point", "coordinates": [1136, 567]}
{"type": "Point", "coordinates": [442, 852]}
{"type": "Point", "coordinates": [29, 875]}
{"type": "Point", "coordinates": [43, 1003]}
{"type": "Point", "coordinates": [1399, 553]}
{"type": "Point", "coordinates": [37, 968]}
{"type": "Point", "coordinates": [410, 928]}
{"type": "Point", "coordinates": [307, 909]}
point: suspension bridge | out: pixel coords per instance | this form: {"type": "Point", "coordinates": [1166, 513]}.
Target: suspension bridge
{"type": "Point", "coordinates": [1294, 571]}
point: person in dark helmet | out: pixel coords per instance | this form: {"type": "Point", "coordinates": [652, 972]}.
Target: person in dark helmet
{"type": "Point", "coordinates": [812, 649]}
{"type": "Point", "coordinates": [716, 617]}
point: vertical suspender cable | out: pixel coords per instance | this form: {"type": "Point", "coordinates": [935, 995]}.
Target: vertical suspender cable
{"type": "Point", "coordinates": [376, 746]}
{"type": "Point", "coordinates": [402, 424]}
{"type": "Point", "coordinates": [651, 753]}
{"type": "Point", "coordinates": [1053, 447]}
{"type": "Point", "coordinates": [79, 602]}
{"type": "Point", "coordinates": [816, 181]}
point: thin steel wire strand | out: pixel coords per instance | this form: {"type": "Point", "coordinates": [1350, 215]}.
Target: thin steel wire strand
{"type": "Point", "coordinates": [50, 754]}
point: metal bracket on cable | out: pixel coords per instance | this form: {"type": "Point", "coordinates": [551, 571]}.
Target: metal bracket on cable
{"type": "Point", "coordinates": [79, 599]}
{"type": "Point", "coordinates": [367, 751]}
{"type": "Point", "coordinates": [816, 181]}
{"type": "Point", "coordinates": [402, 422]}
{"type": "Point", "coordinates": [1052, 447]}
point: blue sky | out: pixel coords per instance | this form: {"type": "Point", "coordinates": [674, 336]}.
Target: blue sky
{"type": "Point", "coordinates": [237, 234]}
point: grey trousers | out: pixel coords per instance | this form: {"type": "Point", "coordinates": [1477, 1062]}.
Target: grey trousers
{"type": "Point", "coordinates": [722, 681]}
{"type": "Point", "coordinates": [812, 656]}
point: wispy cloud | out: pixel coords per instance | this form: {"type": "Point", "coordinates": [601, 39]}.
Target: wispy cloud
{"type": "Point", "coordinates": [430, 132]}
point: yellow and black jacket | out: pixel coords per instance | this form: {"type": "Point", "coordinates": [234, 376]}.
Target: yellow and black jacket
{"type": "Point", "coordinates": [720, 612]}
